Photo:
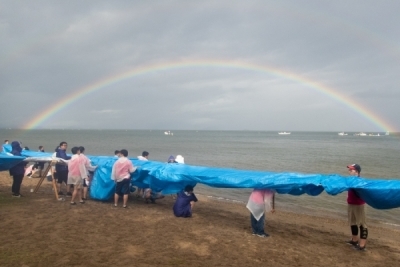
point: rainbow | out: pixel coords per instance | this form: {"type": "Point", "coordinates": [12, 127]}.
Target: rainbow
{"type": "Point", "coordinates": [143, 70]}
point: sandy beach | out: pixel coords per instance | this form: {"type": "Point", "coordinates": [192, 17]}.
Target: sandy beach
{"type": "Point", "coordinates": [38, 230]}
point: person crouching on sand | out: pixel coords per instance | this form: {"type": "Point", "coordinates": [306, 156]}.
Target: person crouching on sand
{"type": "Point", "coordinates": [260, 201]}
{"type": "Point", "coordinates": [76, 173]}
{"type": "Point", "coordinates": [184, 203]}
{"type": "Point", "coordinates": [121, 174]}
{"type": "Point", "coordinates": [356, 213]}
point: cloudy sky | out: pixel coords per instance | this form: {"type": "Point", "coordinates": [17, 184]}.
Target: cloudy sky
{"type": "Point", "coordinates": [204, 65]}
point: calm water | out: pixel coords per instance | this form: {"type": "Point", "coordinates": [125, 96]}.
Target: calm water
{"type": "Point", "coordinates": [305, 152]}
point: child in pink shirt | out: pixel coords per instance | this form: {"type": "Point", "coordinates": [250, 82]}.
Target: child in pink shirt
{"type": "Point", "coordinates": [121, 174]}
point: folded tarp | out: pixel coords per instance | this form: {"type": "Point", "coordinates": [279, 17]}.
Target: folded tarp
{"type": "Point", "coordinates": [170, 178]}
{"type": "Point", "coordinates": [7, 161]}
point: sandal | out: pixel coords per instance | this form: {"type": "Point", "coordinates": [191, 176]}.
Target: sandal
{"type": "Point", "coordinates": [73, 203]}
{"type": "Point", "coordinates": [82, 202]}
{"type": "Point", "coordinates": [125, 206]}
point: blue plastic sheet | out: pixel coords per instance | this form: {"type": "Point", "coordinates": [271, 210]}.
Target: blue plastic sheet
{"type": "Point", "coordinates": [170, 178]}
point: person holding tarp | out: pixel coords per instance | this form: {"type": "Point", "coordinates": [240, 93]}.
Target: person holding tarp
{"type": "Point", "coordinates": [76, 173]}
{"type": "Point", "coordinates": [89, 168]}
{"type": "Point", "coordinates": [260, 201]}
{"type": "Point", "coordinates": [17, 171]}
{"type": "Point", "coordinates": [62, 168]}
{"type": "Point", "coordinates": [121, 174]}
{"type": "Point", "coordinates": [356, 213]}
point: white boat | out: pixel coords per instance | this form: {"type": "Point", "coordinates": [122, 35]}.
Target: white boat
{"type": "Point", "coordinates": [284, 133]}
{"type": "Point", "coordinates": [387, 133]}
{"type": "Point", "coordinates": [168, 133]}
{"type": "Point", "coordinates": [374, 134]}
{"type": "Point", "coordinates": [360, 134]}
{"type": "Point", "coordinates": [342, 133]}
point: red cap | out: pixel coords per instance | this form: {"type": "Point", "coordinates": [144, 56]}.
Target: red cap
{"type": "Point", "coordinates": [354, 167]}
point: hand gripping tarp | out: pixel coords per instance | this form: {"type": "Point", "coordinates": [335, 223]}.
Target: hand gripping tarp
{"type": "Point", "coordinates": [170, 178]}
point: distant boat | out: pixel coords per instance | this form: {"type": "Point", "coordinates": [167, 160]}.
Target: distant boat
{"type": "Point", "coordinates": [168, 133]}
{"type": "Point", "coordinates": [387, 133]}
{"type": "Point", "coordinates": [284, 133]}
{"type": "Point", "coordinates": [374, 134]}
{"type": "Point", "coordinates": [360, 134]}
{"type": "Point", "coordinates": [342, 133]}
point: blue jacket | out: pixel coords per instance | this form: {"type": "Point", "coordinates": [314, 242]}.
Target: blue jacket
{"type": "Point", "coordinates": [18, 169]}
{"type": "Point", "coordinates": [61, 154]}
{"type": "Point", "coordinates": [182, 206]}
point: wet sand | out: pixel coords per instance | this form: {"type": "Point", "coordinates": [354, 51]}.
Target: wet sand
{"type": "Point", "coordinates": [38, 230]}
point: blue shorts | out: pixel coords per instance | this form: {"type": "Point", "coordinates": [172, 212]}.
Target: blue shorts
{"type": "Point", "coordinates": [123, 187]}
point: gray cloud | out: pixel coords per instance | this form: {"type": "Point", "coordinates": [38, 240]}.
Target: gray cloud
{"type": "Point", "coordinates": [52, 49]}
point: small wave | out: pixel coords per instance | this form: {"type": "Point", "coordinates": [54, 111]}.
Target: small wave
{"type": "Point", "coordinates": [223, 198]}
{"type": "Point", "coordinates": [391, 224]}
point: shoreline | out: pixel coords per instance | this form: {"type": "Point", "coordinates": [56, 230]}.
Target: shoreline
{"type": "Point", "coordinates": [42, 231]}
{"type": "Point", "coordinates": [320, 213]}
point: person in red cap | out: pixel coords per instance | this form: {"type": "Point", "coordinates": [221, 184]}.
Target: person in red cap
{"type": "Point", "coordinates": [356, 213]}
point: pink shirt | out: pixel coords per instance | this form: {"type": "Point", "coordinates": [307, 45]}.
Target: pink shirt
{"type": "Point", "coordinates": [122, 169]}
{"type": "Point", "coordinates": [76, 167]}
{"type": "Point", "coordinates": [260, 201]}
{"type": "Point", "coordinates": [87, 163]}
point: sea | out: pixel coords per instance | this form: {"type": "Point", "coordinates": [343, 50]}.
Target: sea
{"type": "Point", "coordinates": [300, 152]}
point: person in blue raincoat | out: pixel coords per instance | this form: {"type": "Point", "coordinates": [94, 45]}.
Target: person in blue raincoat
{"type": "Point", "coordinates": [17, 171]}
{"type": "Point", "coordinates": [184, 202]}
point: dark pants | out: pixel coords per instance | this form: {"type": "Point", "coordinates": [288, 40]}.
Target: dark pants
{"type": "Point", "coordinates": [257, 226]}
{"type": "Point", "coordinates": [17, 181]}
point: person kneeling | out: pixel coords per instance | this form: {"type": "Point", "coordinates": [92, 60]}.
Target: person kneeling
{"type": "Point", "coordinates": [184, 202]}
{"type": "Point", "coordinates": [149, 195]}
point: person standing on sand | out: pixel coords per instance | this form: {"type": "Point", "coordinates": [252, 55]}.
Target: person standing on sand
{"type": "Point", "coordinates": [17, 171]}
{"type": "Point", "coordinates": [184, 203]}
{"type": "Point", "coordinates": [62, 169]}
{"type": "Point", "coordinates": [260, 201]}
{"type": "Point", "coordinates": [76, 173]}
{"type": "Point", "coordinates": [356, 213]}
{"type": "Point", "coordinates": [121, 174]}
{"type": "Point", "coordinates": [145, 157]}
{"type": "Point", "coordinates": [89, 168]}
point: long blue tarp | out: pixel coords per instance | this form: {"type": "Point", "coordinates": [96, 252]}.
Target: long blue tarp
{"type": "Point", "coordinates": [171, 178]}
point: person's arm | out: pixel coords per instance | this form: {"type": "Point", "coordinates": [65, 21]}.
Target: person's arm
{"type": "Point", "coordinates": [131, 167]}
{"type": "Point", "coordinates": [113, 173]}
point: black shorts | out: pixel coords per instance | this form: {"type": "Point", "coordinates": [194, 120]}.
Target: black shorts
{"type": "Point", "coordinates": [122, 188]}
{"type": "Point", "coordinates": [62, 176]}
{"type": "Point", "coordinates": [84, 183]}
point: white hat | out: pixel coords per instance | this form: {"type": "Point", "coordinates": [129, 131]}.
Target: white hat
{"type": "Point", "coordinates": [180, 159]}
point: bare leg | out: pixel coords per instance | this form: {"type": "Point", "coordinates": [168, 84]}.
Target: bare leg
{"type": "Point", "coordinates": [125, 200]}
{"type": "Point", "coordinates": [85, 190]}
{"type": "Point", "coordinates": [79, 191]}
{"type": "Point", "coordinates": [74, 194]}
{"type": "Point", "coordinates": [116, 197]}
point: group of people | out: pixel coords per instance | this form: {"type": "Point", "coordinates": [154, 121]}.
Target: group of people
{"type": "Point", "coordinates": [121, 174]}
{"type": "Point", "coordinates": [263, 200]}
{"type": "Point", "coordinates": [76, 175]}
